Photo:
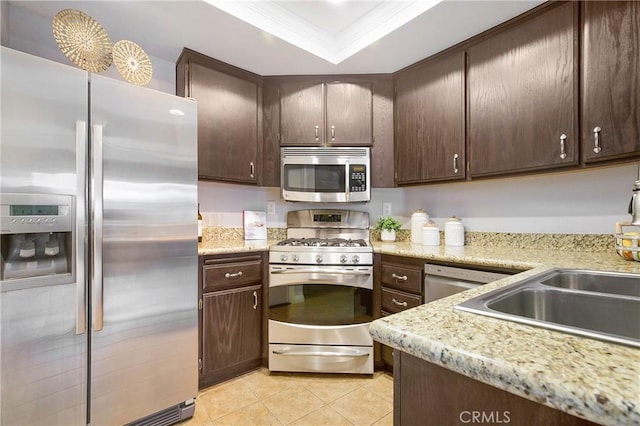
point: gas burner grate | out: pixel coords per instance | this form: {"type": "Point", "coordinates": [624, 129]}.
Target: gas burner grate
{"type": "Point", "coordinates": [323, 242]}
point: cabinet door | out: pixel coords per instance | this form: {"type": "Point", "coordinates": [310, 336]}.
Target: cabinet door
{"type": "Point", "coordinates": [301, 113]}
{"type": "Point", "coordinates": [429, 117]}
{"type": "Point", "coordinates": [522, 95]}
{"type": "Point", "coordinates": [610, 80]}
{"type": "Point", "coordinates": [227, 124]}
{"type": "Point", "coordinates": [231, 328]}
{"type": "Point", "coordinates": [349, 114]}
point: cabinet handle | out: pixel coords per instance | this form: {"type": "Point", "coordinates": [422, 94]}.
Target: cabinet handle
{"type": "Point", "coordinates": [237, 274]}
{"type": "Point", "coordinates": [563, 154]}
{"type": "Point", "coordinates": [255, 300]}
{"type": "Point", "coordinates": [333, 133]}
{"type": "Point", "coordinates": [399, 277]}
{"type": "Point", "coordinates": [455, 163]}
{"type": "Point", "coordinates": [252, 169]}
{"type": "Point", "coordinates": [596, 139]}
{"type": "Point", "coordinates": [317, 132]}
{"type": "Point", "coordinates": [399, 303]}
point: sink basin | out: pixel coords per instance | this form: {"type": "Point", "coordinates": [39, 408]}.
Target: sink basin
{"type": "Point", "coordinates": [599, 305]}
{"type": "Point", "coordinates": [593, 281]}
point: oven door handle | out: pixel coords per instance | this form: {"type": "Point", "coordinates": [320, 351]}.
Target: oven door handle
{"type": "Point", "coordinates": [354, 354]}
{"type": "Point", "coordinates": [319, 272]}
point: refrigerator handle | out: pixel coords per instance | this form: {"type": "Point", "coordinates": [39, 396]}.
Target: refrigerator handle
{"type": "Point", "coordinates": [80, 206]}
{"type": "Point", "coordinates": [97, 185]}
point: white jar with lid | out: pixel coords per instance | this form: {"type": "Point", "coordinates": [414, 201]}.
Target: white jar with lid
{"type": "Point", "coordinates": [418, 219]}
{"type": "Point", "coordinates": [454, 232]}
{"type": "Point", "coordinates": [430, 234]}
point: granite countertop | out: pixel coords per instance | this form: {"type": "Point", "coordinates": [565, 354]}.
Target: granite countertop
{"type": "Point", "coordinates": [587, 378]}
{"type": "Point", "coordinates": [233, 246]}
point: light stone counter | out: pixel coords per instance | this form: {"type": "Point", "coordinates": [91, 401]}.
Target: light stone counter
{"type": "Point", "coordinates": [233, 246]}
{"type": "Point", "coordinates": [587, 378]}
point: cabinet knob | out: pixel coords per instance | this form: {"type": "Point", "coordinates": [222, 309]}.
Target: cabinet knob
{"type": "Point", "coordinates": [333, 133]}
{"type": "Point", "coordinates": [236, 275]}
{"type": "Point", "coordinates": [596, 139]}
{"type": "Point", "coordinates": [455, 163]}
{"type": "Point", "coordinates": [399, 303]}
{"type": "Point", "coordinates": [317, 132]}
{"type": "Point", "coordinates": [252, 169]}
{"type": "Point", "coordinates": [255, 300]}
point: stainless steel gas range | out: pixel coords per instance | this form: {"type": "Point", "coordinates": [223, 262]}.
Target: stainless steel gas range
{"type": "Point", "coordinates": [321, 294]}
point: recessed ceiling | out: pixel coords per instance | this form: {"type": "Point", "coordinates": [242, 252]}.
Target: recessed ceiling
{"type": "Point", "coordinates": [332, 30]}
{"type": "Point", "coordinates": [164, 27]}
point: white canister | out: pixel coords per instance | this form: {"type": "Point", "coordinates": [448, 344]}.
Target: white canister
{"type": "Point", "coordinates": [418, 219]}
{"type": "Point", "coordinates": [430, 234]}
{"type": "Point", "coordinates": [453, 232]}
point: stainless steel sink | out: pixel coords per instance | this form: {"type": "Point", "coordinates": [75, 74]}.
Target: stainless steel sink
{"type": "Point", "coordinates": [594, 281]}
{"type": "Point", "coordinates": [593, 304]}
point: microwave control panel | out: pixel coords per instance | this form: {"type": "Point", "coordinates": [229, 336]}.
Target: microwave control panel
{"type": "Point", "coordinates": [357, 177]}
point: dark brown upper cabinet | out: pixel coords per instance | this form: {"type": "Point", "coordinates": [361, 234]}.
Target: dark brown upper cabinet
{"type": "Point", "coordinates": [429, 121]}
{"type": "Point", "coordinates": [610, 80]}
{"type": "Point", "coordinates": [523, 95]}
{"type": "Point", "coordinates": [229, 117]}
{"type": "Point", "coordinates": [326, 113]}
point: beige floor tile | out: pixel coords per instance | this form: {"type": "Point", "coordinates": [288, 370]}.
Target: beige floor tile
{"type": "Point", "coordinates": [385, 421]}
{"type": "Point", "coordinates": [325, 416]}
{"type": "Point", "coordinates": [329, 389]}
{"type": "Point", "coordinates": [362, 407]}
{"type": "Point", "coordinates": [263, 384]}
{"type": "Point", "coordinates": [292, 404]}
{"type": "Point", "coordinates": [255, 414]}
{"type": "Point", "coordinates": [226, 398]}
{"type": "Point", "coordinates": [382, 385]}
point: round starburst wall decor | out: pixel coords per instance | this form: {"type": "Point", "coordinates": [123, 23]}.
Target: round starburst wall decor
{"type": "Point", "coordinates": [83, 40]}
{"type": "Point", "coordinates": [132, 62]}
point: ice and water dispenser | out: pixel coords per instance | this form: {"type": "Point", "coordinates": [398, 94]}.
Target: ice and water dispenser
{"type": "Point", "coordinates": [36, 232]}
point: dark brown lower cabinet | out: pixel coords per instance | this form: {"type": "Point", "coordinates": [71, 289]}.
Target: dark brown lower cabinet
{"type": "Point", "coordinates": [231, 331]}
{"type": "Point", "coordinates": [427, 394]}
{"type": "Point", "coordinates": [232, 326]}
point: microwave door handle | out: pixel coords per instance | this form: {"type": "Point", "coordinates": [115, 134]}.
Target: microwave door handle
{"type": "Point", "coordinates": [347, 191]}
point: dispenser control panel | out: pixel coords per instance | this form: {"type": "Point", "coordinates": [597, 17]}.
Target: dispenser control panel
{"type": "Point", "coordinates": [27, 213]}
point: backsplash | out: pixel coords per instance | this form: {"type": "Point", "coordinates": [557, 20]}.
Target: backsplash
{"type": "Point", "coordinates": [569, 242]}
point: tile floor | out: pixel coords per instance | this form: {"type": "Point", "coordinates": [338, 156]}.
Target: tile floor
{"type": "Point", "coordinates": [264, 398]}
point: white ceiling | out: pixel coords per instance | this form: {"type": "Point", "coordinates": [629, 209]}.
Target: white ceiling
{"type": "Point", "coordinates": [339, 34]}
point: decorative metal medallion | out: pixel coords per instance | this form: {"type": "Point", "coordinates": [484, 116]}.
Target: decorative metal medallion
{"type": "Point", "coordinates": [83, 40]}
{"type": "Point", "coordinates": [132, 62]}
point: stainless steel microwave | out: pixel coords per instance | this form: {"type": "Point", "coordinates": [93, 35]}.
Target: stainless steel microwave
{"type": "Point", "coordinates": [326, 174]}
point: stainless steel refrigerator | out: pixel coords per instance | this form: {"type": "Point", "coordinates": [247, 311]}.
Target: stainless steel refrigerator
{"type": "Point", "coordinates": [98, 208]}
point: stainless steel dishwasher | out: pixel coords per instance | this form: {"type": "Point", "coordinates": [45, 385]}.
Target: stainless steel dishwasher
{"type": "Point", "coordinates": [442, 281]}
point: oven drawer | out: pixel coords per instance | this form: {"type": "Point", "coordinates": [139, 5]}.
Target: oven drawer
{"type": "Point", "coordinates": [232, 274]}
{"type": "Point", "coordinates": [396, 301]}
{"type": "Point", "coordinates": [402, 277]}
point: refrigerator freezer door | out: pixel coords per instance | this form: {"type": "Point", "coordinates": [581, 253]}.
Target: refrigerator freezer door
{"type": "Point", "coordinates": [43, 361]}
{"type": "Point", "coordinates": [144, 331]}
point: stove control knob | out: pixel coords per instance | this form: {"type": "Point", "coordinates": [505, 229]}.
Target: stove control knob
{"type": "Point", "coordinates": [295, 258]}
{"type": "Point", "coordinates": [355, 258]}
{"type": "Point", "coordinates": [284, 258]}
{"type": "Point", "coordinates": [343, 259]}
{"type": "Point", "coordinates": [318, 259]}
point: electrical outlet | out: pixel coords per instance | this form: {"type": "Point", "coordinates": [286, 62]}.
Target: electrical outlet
{"type": "Point", "coordinates": [386, 209]}
{"type": "Point", "coordinates": [271, 207]}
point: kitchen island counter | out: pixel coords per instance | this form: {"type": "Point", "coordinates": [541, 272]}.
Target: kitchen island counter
{"type": "Point", "coordinates": [587, 378]}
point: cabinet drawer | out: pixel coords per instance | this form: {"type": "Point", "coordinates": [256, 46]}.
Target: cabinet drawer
{"type": "Point", "coordinates": [233, 274]}
{"type": "Point", "coordinates": [404, 278]}
{"type": "Point", "coordinates": [396, 301]}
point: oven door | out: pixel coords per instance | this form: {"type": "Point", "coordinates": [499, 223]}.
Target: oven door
{"type": "Point", "coordinates": [307, 304]}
